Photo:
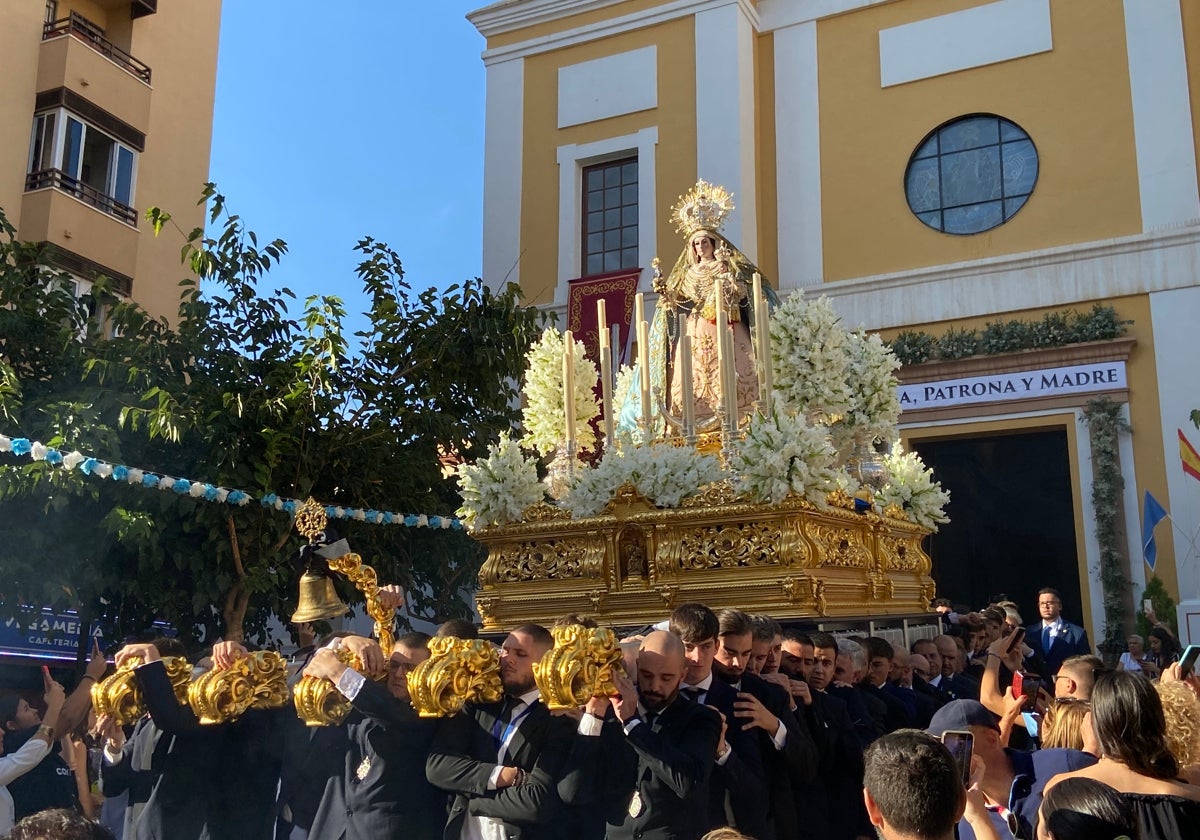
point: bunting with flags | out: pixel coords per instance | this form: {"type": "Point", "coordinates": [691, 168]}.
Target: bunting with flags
{"type": "Point", "coordinates": [102, 470]}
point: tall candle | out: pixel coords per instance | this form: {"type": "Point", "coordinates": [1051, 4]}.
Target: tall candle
{"type": "Point", "coordinates": [731, 401]}
{"type": "Point", "coordinates": [639, 309]}
{"type": "Point", "coordinates": [569, 384]}
{"type": "Point", "coordinates": [605, 374]}
{"type": "Point", "coordinates": [644, 365]}
{"type": "Point", "coordinates": [722, 381]}
{"type": "Point", "coordinates": [763, 318]}
{"type": "Point", "coordinates": [601, 319]}
{"type": "Point", "coordinates": [759, 338]}
{"type": "Point", "coordinates": [685, 374]}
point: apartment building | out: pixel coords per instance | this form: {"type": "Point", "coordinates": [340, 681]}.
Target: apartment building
{"type": "Point", "coordinates": [107, 109]}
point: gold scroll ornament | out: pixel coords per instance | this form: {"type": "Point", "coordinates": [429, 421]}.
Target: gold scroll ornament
{"type": "Point", "coordinates": [457, 672]}
{"type": "Point", "coordinates": [255, 681]}
{"type": "Point", "coordinates": [120, 696]}
{"type": "Point", "coordinates": [578, 667]}
{"type": "Point", "coordinates": [318, 701]}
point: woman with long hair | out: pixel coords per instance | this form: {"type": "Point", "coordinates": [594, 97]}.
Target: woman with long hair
{"type": "Point", "coordinates": [1135, 759]}
{"type": "Point", "coordinates": [1085, 809]}
{"type": "Point", "coordinates": [1066, 724]}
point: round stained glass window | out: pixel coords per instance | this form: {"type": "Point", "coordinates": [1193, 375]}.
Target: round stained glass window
{"type": "Point", "coordinates": [971, 174]}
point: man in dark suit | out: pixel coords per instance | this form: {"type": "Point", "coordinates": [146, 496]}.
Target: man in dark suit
{"type": "Point", "coordinates": [874, 682]}
{"type": "Point", "coordinates": [737, 793]}
{"type": "Point", "coordinates": [502, 762]}
{"type": "Point", "coordinates": [218, 781]}
{"type": "Point", "coordinates": [382, 790]}
{"type": "Point", "coordinates": [1055, 638]}
{"type": "Point", "coordinates": [841, 769]}
{"type": "Point", "coordinates": [134, 764]}
{"type": "Point", "coordinates": [650, 760]}
{"type": "Point", "coordinates": [953, 685]}
{"type": "Point", "coordinates": [789, 755]}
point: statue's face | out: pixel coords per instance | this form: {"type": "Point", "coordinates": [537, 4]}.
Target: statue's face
{"type": "Point", "coordinates": [702, 246]}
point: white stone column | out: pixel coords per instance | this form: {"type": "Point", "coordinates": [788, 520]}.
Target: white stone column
{"type": "Point", "coordinates": [725, 115]}
{"type": "Point", "coordinates": [504, 114]}
{"type": "Point", "coordinates": [798, 157]}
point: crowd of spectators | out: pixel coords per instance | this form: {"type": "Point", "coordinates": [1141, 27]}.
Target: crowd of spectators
{"type": "Point", "coordinates": [723, 725]}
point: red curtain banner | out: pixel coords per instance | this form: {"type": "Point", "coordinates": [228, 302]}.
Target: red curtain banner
{"type": "Point", "coordinates": [617, 289]}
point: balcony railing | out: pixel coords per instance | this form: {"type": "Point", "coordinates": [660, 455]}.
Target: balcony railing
{"type": "Point", "coordinates": [60, 180]}
{"type": "Point", "coordinates": [89, 33]}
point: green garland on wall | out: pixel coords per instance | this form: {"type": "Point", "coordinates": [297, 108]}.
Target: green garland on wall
{"type": "Point", "coordinates": [1104, 421]}
{"type": "Point", "coordinates": [1054, 329]}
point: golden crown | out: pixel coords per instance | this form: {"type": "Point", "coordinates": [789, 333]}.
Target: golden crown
{"type": "Point", "coordinates": [703, 207]}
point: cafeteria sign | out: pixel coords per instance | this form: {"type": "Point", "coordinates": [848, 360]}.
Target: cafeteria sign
{"type": "Point", "coordinates": [43, 634]}
{"type": "Point", "coordinates": [1004, 387]}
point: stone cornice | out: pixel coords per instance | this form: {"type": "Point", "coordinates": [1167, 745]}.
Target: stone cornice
{"type": "Point", "coordinates": [519, 14]}
{"type": "Point", "coordinates": [1084, 353]}
{"type": "Point", "coordinates": [1167, 258]}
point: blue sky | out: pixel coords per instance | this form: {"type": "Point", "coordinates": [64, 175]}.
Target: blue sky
{"type": "Point", "coordinates": [362, 117]}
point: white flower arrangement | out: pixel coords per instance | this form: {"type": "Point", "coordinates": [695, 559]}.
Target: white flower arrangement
{"type": "Point", "coordinates": [781, 455]}
{"type": "Point", "coordinates": [498, 488]}
{"type": "Point", "coordinates": [662, 473]}
{"type": "Point", "coordinates": [809, 356]}
{"type": "Point", "coordinates": [544, 417]}
{"type": "Point", "coordinates": [874, 408]}
{"type": "Point", "coordinates": [912, 488]}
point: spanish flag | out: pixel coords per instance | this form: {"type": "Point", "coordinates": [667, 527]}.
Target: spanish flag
{"type": "Point", "coordinates": [1189, 456]}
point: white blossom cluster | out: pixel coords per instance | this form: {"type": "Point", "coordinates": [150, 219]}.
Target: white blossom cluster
{"type": "Point", "coordinates": [782, 454]}
{"type": "Point", "coordinates": [911, 487]}
{"type": "Point", "coordinates": [662, 473]}
{"type": "Point", "coordinates": [809, 355]}
{"type": "Point", "coordinates": [544, 417]}
{"type": "Point", "coordinates": [874, 408]}
{"type": "Point", "coordinates": [498, 488]}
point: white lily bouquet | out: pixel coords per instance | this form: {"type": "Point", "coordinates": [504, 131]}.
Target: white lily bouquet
{"type": "Point", "coordinates": [663, 473]}
{"type": "Point", "coordinates": [498, 488]}
{"type": "Point", "coordinates": [912, 488]}
{"type": "Point", "coordinates": [781, 455]}
{"type": "Point", "coordinates": [544, 415]}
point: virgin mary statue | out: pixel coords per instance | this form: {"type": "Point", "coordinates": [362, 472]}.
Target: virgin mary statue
{"type": "Point", "coordinates": [708, 264]}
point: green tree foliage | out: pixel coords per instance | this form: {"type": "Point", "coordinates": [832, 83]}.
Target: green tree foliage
{"type": "Point", "coordinates": [241, 393]}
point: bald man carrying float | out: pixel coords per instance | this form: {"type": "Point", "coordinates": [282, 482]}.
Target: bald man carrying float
{"type": "Point", "coordinates": [645, 756]}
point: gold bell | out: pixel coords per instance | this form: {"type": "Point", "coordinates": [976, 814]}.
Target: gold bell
{"type": "Point", "coordinates": [318, 599]}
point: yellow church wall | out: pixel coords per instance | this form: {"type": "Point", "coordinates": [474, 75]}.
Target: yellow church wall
{"type": "Point", "coordinates": [1148, 444]}
{"type": "Point", "coordinates": [1074, 102]}
{"type": "Point", "coordinates": [766, 161]}
{"type": "Point", "coordinates": [675, 118]}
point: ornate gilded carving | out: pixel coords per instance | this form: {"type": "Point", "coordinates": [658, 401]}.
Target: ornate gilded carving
{"type": "Point", "coordinates": [457, 672]}
{"type": "Point", "coordinates": [544, 512]}
{"type": "Point", "coordinates": [735, 554]}
{"type": "Point", "coordinates": [555, 559]}
{"type": "Point", "coordinates": [731, 546]}
{"type": "Point", "coordinates": [840, 545]}
{"type": "Point", "coordinates": [711, 495]}
{"type": "Point", "coordinates": [840, 499]}
{"type": "Point", "coordinates": [578, 667]}
{"type": "Point", "coordinates": [318, 701]}
{"type": "Point", "coordinates": [255, 681]}
{"type": "Point", "coordinates": [120, 696]}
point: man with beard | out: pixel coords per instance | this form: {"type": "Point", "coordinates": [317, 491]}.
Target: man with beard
{"type": "Point", "coordinates": [382, 791]}
{"type": "Point", "coordinates": [650, 760]}
{"type": "Point", "coordinates": [789, 755]}
{"type": "Point", "coordinates": [502, 762]}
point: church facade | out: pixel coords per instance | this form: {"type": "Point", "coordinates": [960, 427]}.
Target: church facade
{"type": "Point", "coordinates": [946, 171]}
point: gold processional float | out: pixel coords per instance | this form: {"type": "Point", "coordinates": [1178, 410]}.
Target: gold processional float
{"type": "Point", "coordinates": [632, 564]}
{"type": "Point", "coordinates": [628, 566]}
{"type": "Point", "coordinates": [458, 671]}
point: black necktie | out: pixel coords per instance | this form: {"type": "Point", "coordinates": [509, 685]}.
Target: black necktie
{"type": "Point", "coordinates": [694, 693]}
{"type": "Point", "coordinates": [651, 720]}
